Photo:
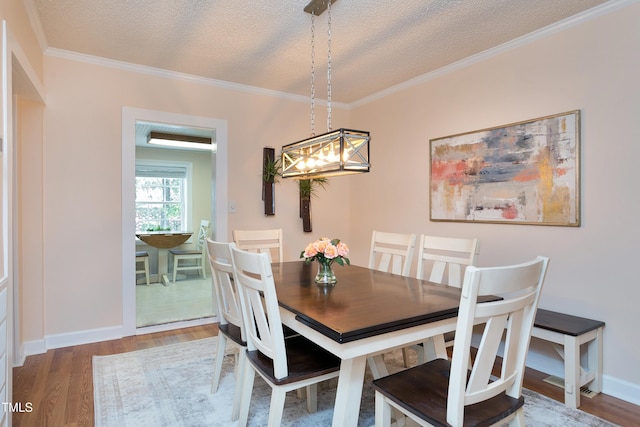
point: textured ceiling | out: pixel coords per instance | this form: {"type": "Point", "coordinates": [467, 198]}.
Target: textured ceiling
{"type": "Point", "coordinates": [376, 44]}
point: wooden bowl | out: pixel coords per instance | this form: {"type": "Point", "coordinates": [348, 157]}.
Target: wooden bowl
{"type": "Point", "coordinates": [164, 240]}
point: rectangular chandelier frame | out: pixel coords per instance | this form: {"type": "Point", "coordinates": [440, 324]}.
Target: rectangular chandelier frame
{"type": "Point", "coordinates": [335, 153]}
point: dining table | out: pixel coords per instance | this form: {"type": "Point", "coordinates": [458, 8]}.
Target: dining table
{"type": "Point", "coordinates": [365, 314]}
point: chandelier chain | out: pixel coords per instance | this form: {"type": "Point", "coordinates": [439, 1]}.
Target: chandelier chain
{"type": "Point", "coordinates": [335, 153]}
{"type": "Point", "coordinates": [329, 66]}
{"type": "Point", "coordinates": [313, 76]}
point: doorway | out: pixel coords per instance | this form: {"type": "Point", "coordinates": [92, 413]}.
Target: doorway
{"type": "Point", "coordinates": [174, 193]}
{"type": "Point", "coordinates": [135, 119]}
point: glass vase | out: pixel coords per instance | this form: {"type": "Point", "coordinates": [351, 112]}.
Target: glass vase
{"type": "Point", "coordinates": [325, 276]}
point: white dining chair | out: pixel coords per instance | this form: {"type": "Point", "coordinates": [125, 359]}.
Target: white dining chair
{"type": "Point", "coordinates": [392, 252]}
{"type": "Point", "coordinates": [231, 329]}
{"type": "Point", "coordinates": [262, 241]}
{"type": "Point", "coordinates": [443, 260]}
{"type": "Point", "coordinates": [446, 393]}
{"type": "Point", "coordinates": [196, 258]}
{"type": "Point", "coordinates": [284, 366]}
{"type": "Point", "coordinates": [143, 258]}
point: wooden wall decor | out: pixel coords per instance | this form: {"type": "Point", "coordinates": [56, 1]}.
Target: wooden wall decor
{"type": "Point", "coordinates": [305, 204]}
{"type": "Point", "coordinates": [307, 189]}
{"type": "Point", "coordinates": [270, 173]}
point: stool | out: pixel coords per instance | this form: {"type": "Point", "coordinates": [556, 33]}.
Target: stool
{"type": "Point", "coordinates": [569, 333]}
{"type": "Point", "coordinates": [143, 257]}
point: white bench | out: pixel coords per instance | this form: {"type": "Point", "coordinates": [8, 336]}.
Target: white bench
{"type": "Point", "coordinates": [569, 333]}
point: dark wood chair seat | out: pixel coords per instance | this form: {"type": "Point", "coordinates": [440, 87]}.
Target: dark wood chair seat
{"type": "Point", "coordinates": [304, 360]}
{"type": "Point", "coordinates": [232, 332]}
{"type": "Point", "coordinates": [423, 389]}
{"type": "Point", "coordinates": [184, 252]}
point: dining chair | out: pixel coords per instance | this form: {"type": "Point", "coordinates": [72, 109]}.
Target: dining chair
{"type": "Point", "coordinates": [447, 393]}
{"type": "Point", "coordinates": [197, 255]}
{"type": "Point", "coordinates": [392, 252]}
{"type": "Point", "coordinates": [231, 329]}
{"type": "Point", "coordinates": [143, 257]}
{"type": "Point", "coordinates": [269, 241]}
{"type": "Point", "coordinates": [443, 260]}
{"type": "Point", "coordinates": [285, 364]}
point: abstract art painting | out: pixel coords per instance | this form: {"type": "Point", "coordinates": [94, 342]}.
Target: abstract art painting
{"type": "Point", "coordinates": [522, 173]}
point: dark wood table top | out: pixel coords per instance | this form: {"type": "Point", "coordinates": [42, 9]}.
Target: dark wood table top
{"type": "Point", "coordinates": [363, 303]}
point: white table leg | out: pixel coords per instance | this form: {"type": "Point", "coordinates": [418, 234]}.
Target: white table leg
{"type": "Point", "coordinates": [377, 366]}
{"type": "Point", "coordinates": [433, 348]}
{"type": "Point", "coordinates": [163, 269]}
{"type": "Point", "coordinates": [349, 393]}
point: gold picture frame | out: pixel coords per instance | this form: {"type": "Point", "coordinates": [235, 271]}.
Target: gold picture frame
{"type": "Point", "coordinates": [522, 173]}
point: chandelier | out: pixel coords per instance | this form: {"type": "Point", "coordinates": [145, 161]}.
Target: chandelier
{"type": "Point", "coordinates": [337, 152]}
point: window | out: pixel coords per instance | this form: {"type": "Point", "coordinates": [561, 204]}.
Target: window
{"type": "Point", "coordinates": [161, 196]}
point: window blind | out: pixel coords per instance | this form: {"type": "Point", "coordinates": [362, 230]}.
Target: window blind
{"type": "Point", "coordinates": [160, 171]}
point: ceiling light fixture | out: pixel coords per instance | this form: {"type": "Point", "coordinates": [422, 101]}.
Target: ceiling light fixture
{"type": "Point", "coordinates": [180, 141]}
{"type": "Point", "coordinates": [335, 153]}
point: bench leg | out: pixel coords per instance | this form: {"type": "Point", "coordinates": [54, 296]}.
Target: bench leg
{"type": "Point", "coordinates": [571, 371]}
{"type": "Point", "coordinates": [594, 358]}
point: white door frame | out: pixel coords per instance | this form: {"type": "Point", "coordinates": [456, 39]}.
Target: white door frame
{"type": "Point", "coordinates": [219, 231]}
{"type": "Point", "coordinates": [17, 73]}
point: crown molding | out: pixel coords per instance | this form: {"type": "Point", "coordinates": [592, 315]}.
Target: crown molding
{"type": "Point", "coordinates": [572, 21]}
{"type": "Point", "coordinates": [159, 72]}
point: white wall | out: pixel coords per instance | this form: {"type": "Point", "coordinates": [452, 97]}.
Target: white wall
{"type": "Point", "coordinates": [82, 178]}
{"type": "Point", "coordinates": [593, 67]}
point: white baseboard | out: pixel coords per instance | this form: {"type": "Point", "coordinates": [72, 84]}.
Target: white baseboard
{"type": "Point", "coordinates": [41, 346]}
{"type": "Point", "coordinates": [98, 335]}
{"type": "Point", "coordinates": [83, 337]}
{"type": "Point", "coordinates": [29, 348]}
{"type": "Point", "coordinates": [176, 325]}
{"type": "Point", "coordinates": [621, 389]}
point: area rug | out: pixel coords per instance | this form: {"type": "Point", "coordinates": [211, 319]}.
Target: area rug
{"type": "Point", "coordinates": [169, 386]}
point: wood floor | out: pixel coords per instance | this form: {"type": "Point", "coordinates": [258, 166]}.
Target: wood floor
{"type": "Point", "coordinates": [59, 383]}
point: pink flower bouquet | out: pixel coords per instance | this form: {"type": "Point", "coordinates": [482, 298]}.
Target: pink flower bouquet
{"type": "Point", "coordinates": [326, 250]}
